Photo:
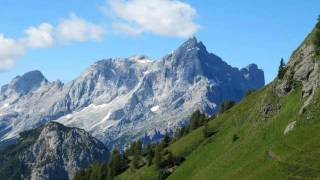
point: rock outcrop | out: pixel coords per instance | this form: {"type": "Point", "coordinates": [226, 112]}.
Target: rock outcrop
{"type": "Point", "coordinates": [303, 68]}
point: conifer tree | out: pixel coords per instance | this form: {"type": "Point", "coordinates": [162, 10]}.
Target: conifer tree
{"type": "Point", "coordinates": [170, 159]}
{"type": "Point", "coordinates": [205, 129]}
{"type": "Point", "coordinates": [158, 156]}
{"type": "Point", "coordinates": [116, 162]}
{"type": "Point", "coordinates": [166, 139]}
{"type": "Point", "coordinates": [282, 69]}
{"type": "Point", "coordinates": [226, 105]}
{"type": "Point", "coordinates": [150, 155]}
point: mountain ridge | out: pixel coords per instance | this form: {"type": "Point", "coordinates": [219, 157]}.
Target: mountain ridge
{"type": "Point", "coordinates": [120, 100]}
{"type": "Point", "coordinates": [52, 151]}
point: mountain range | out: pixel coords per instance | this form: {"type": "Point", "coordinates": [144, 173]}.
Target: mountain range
{"type": "Point", "coordinates": [121, 100]}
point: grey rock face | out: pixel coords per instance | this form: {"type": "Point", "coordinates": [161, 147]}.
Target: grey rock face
{"type": "Point", "coordinates": [56, 152]}
{"type": "Point", "coordinates": [120, 100]}
{"type": "Point", "coordinates": [303, 67]}
{"type": "Point", "coordinates": [26, 83]}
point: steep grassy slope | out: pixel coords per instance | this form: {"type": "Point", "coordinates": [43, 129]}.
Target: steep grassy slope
{"type": "Point", "coordinates": [262, 151]}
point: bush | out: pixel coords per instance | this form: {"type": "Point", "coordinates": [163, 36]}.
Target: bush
{"type": "Point", "coordinates": [235, 137]}
{"type": "Point", "coordinates": [249, 92]}
{"type": "Point", "coordinates": [226, 105]}
{"type": "Point", "coordinates": [197, 119]}
{"type": "Point", "coordinates": [205, 131]}
{"type": "Point", "coordinates": [163, 174]}
{"type": "Point", "coordinates": [158, 156]}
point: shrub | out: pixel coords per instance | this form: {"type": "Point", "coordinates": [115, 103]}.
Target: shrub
{"type": "Point", "coordinates": [226, 105]}
{"type": "Point", "coordinates": [235, 137]}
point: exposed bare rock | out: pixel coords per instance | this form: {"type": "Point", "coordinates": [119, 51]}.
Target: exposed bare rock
{"type": "Point", "coordinates": [51, 152]}
{"type": "Point", "coordinates": [303, 68]}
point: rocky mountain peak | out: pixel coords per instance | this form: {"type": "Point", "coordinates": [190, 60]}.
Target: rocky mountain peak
{"type": "Point", "coordinates": [191, 45]}
{"type": "Point", "coordinates": [254, 75]}
{"type": "Point", "coordinates": [27, 82]}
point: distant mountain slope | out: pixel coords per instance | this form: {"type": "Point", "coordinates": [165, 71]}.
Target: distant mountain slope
{"type": "Point", "coordinates": [120, 100]}
{"type": "Point", "coordinates": [50, 152]}
{"type": "Point", "coordinates": [276, 130]}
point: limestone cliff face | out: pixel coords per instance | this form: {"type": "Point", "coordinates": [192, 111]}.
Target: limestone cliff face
{"type": "Point", "coordinates": [303, 67]}
{"type": "Point", "coordinates": [52, 152]}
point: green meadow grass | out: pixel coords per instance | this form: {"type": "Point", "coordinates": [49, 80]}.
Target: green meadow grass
{"type": "Point", "coordinates": [262, 150]}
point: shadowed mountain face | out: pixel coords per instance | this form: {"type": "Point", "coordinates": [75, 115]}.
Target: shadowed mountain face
{"type": "Point", "coordinates": [120, 100]}
{"type": "Point", "coordinates": [50, 152]}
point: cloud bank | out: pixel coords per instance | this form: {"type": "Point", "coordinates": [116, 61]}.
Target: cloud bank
{"type": "Point", "coordinates": [160, 17]}
{"type": "Point", "coordinates": [71, 29]}
{"type": "Point", "coordinates": [172, 18]}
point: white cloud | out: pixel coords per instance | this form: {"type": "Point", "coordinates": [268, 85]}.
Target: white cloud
{"type": "Point", "coordinates": [10, 51]}
{"type": "Point", "coordinates": [160, 17]}
{"type": "Point", "coordinates": [123, 27]}
{"type": "Point", "coordinates": [77, 29]}
{"type": "Point", "coordinates": [46, 35]}
{"type": "Point", "coordinates": [39, 37]}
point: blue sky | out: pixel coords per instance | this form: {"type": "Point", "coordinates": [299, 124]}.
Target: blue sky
{"type": "Point", "coordinates": [240, 32]}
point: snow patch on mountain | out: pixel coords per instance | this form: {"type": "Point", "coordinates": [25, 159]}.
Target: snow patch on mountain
{"type": "Point", "coordinates": [140, 59]}
{"type": "Point", "coordinates": [155, 108]}
{"type": "Point", "coordinates": [146, 72]}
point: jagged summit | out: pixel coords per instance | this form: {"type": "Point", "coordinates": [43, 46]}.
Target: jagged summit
{"type": "Point", "coordinates": [26, 83]}
{"type": "Point", "coordinates": [192, 44]}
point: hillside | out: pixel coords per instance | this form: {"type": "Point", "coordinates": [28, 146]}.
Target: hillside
{"type": "Point", "coordinates": [272, 134]}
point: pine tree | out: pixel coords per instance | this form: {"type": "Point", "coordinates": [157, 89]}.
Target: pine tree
{"type": "Point", "coordinates": [116, 164]}
{"type": "Point", "coordinates": [138, 148]}
{"type": "Point", "coordinates": [180, 132]}
{"type": "Point", "coordinates": [170, 159]}
{"type": "Point", "coordinates": [150, 155]}
{"type": "Point", "coordinates": [137, 151]}
{"type": "Point", "coordinates": [166, 139]}
{"type": "Point", "coordinates": [110, 176]}
{"type": "Point", "coordinates": [205, 129]}
{"type": "Point", "coordinates": [282, 69]}
{"type": "Point", "coordinates": [226, 105]}
{"type": "Point", "coordinates": [135, 161]}
{"type": "Point", "coordinates": [194, 123]}
{"type": "Point", "coordinates": [158, 156]}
